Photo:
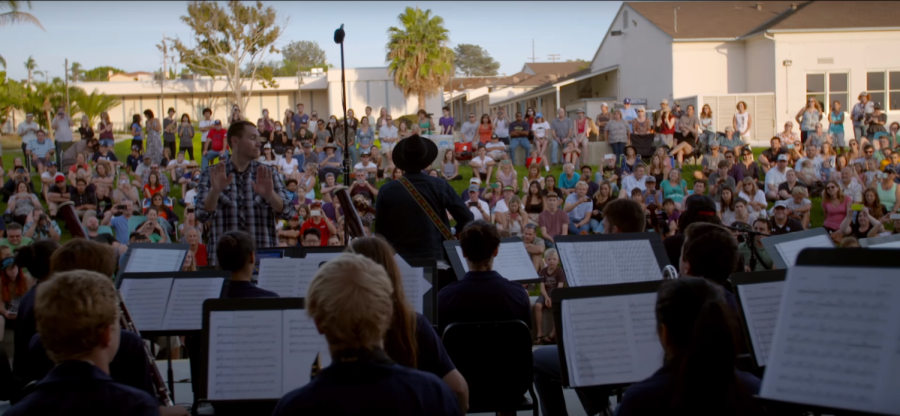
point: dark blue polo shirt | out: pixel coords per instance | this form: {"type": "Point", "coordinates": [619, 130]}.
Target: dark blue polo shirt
{"type": "Point", "coordinates": [79, 388]}
{"type": "Point", "coordinates": [244, 290]}
{"type": "Point", "coordinates": [373, 386]}
{"type": "Point", "coordinates": [432, 357]}
{"type": "Point", "coordinates": [129, 367]}
{"type": "Point", "coordinates": [653, 396]}
{"type": "Point", "coordinates": [483, 297]}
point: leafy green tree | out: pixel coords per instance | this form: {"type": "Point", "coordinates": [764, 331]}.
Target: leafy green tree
{"type": "Point", "coordinates": [227, 41]}
{"type": "Point", "coordinates": [304, 53]}
{"type": "Point", "coordinates": [91, 105]}
{"type": "Point", "coordinates": [31, 66]}
{"type": "Point", "coordinates": [100, 73]}
{"type": "Point", "coordinates": [75, 72]}
{"type": "Point", "coordinates": [472, 60]}
{"type": "Point", "coordinates": [419, 59]}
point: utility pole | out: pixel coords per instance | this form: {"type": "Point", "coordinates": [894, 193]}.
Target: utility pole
{"type": "Point", "coordinates": [162, 78]}
{"type": "Point", "coordinates": [553, 57]}
{"type": "Point", "coordinates": [533, 58]}
{"type": "Point", "coordinates": [66, 72]}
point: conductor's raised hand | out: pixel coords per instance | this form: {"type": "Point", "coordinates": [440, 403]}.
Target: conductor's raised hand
{"type": "Point", "coordinates": [264, 185]}
{"type": "Point", "coordinates": [217, 179]}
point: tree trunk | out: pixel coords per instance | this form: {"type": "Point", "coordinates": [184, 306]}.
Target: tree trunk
{"type": "Point", "coordinates": [421, 100]}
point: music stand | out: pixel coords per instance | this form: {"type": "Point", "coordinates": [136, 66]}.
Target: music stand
{"type": "Point", "coordinates": [457, 262]}
{"type": "Point", "coordinates": [150, 246]}
{"type": "Point", "coordinates": [275, 253]}
{"type": "Point", "coordinates": [561, 295]}
{"type": "Point", "coordinates": [890, 241]}
{"type": "Point", "coordinates": [771, 244]}
{"type": "Point", "coordinates": [304, 251]}
{"type": "Point", "coordinates": [656, 246]}
{"type": "Point", "coordinates": [751, 278]}
{"type": "Point", "coordinates": [429, 302]}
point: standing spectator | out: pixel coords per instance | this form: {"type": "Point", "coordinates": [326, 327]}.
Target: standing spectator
{"type": "Point", "coordinates": [205, 126]}
{"type": "Point", "coordinates": [27, 130]}
{"type": "Point", "coordinates": [858, 115]}
{"type": "Point", "coordinates": [446, 122]}
{"type": "Point", "coordinates": [578, 207]}
{"type": "Point", "coordinates": [604, 117]}
{"type": "Point", "coordinates": [214, 146]}
{"type": "Point", "coordinates": [808, 117]}
{"type": "Point", "coordinates": [85, 200]}
{"type": "Point", "coordinates": [154, 142]}
{"type": "Point", "coordinates": [552, 221]}
{"type": "Point", "coordinates": [40, 151]}
{"type": "Point", "coordinates": [299, 120]}
{"type": "Point", "coordinates": [104, 129]}
{"type": "Point", "coordinates": [582, 130]}
{"type": "Point", "coordinates": [708, 127]}
{"type": "Point", "coordinates": [501, 126]}
{"type": "Point", "coordinates": [388, 135]}
{"type": "Point", "coordinates": [170, 128]}
{"type": "Point", "coordinates": [552, 277]}
{"type": "Point", "coordinates": [742, 122]}
{"type": "Point", "coordinates": [539, 130]}
{"type": "Point", "coordinates": [85, 131]}
{"type": "Point", "coordinates": [469, 130]}
{"type": "Point", "coordinates": [836, 125]}
{"type": "Point", "coordinates": [775, 177]}
{"type": "Point", "coordinates": [628, 113]}
{"type": "Point", "coordinates": [563, 131]}
{"type": "Point", "coordinates": [241, 193]}
{"type": "Point", "coordinates": [365, 139]}
{"type": "Point", "coordinates": [875, 122]}
{"type": "Point", "coordinates": [618, 134]}
{"type": "Point", "coordinates": [186, 135]}
{"type": "Point", "coordinates": [518, 132]}
{"type": "Point", "coordinates": [62, 127]}
{"type": "Point", "coordinates": [665, 124]}
{"type": "Point", "coordinates": [642, 126]}
{"type": "Point", "coordinates": [136, 132]}
{"type": "Point", "coordinates": [781, 222]}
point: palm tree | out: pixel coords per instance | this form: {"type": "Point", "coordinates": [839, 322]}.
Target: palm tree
{"type": "Point", "coordinates": [14, 16]}
{"type": "Point", "coordinates": [31, 66]}
{"type": "Point", "coordinates": [75, 71]}
{"type": "Point", "coordinates": [91, 105]}
{"type": "Point", "coordinates": [420, 61]}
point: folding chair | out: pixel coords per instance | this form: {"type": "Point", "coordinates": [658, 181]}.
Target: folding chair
{"type": "Point", "coordinates": [495, 359]}
{"type": "Point", "coordinates": [66, 211]}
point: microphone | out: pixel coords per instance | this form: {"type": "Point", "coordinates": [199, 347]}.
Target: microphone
{"type": "Point", "coordinates": [339, 34]}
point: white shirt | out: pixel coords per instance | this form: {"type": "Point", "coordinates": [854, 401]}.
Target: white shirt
{"type": "Point", "coordinates": [205, 123]}
{"type": "Point", "coordinates": [483, 161]}
{"type": "Point", "coordinates": [775, 177]}
{"type": "Point", "coordinates": [759, 197]}
{"type": "Point", "coordinates": [63, 129]}
{"type": "Point", "coordinates": [387, 132]}
{"type": "Point", "coordinates": [364, 167]}
{"type": "Point", "coordinates": [630, 182]}
{"type": "Point", "coordinates": [540, 129]}
{"type": "Point", "coordinates": [500, 206]}
{"type": "Point", "coordinates": [190, 196]}
{"type": "Point", "coordinates": [476, 213]}
{"type": "Point", "coordinates": [28, 131]}
{"type": "Point", "coordinates": [264, 161]}
{"type": "Point", "coordinates": [46, 175]}
{"type": "Point", "coordinates": [287, 167]}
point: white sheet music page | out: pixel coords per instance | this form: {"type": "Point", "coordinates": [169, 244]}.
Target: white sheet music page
{"type": "Point", "coordinates": [512, 262]}
{"type": "Point", "coordinates": [414, 283]}
{"type": "Point", "coordinates": [302, 344]}
{"type": "Point", "coordinates": [279, 276]}
{"type": "Point", "coordinates": [245, 359]}
{"type": "Point", "coordinates": [611, 340]}
{"type": "Point", "coordinates": [594, 263]}
{"type": "Point", "coordinates": [146, 300]}
{"type": "Point", "coordinates": [890, 244]}
{"type": "Point", "coordinates": [185, 308]}
{"type": "Point", "coordinates": [760, 303]}
{"type": "Point", "coordinates": [837, 340]}
{"type": "Point", "coordinates": [789, 250]}
{"type": "Point", "coordinates": [146, 260]}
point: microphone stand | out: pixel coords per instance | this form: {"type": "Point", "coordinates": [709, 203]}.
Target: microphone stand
{"type": "Point", "coordinates": [750, 240]}
{"type": "Point", "coordinates": [339, 38]}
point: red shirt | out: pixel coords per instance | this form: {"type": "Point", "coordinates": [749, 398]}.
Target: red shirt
{"type": "Point", "coordinates": [530, 160]}
{"type": "Point", "coordinates": [216, 138]}
{"type": "Point", "coordinates": [322, 226]}
{"type": "Point", "coordinates": [201, 255]}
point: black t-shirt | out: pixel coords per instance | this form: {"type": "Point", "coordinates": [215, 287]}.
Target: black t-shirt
{"type": "Point", "coordinates": [785, 187]}
{"type": "Point", "coordinates": [103, 238]}
{"type": "Point", "coordinates": [772, 155]}
{"type": "Point", "coordinates": [856, 232]}
{"type": "Point", "coordinates": [790, 226]}
{"type": "Point", "coordinates": [750, 172]}
{"type": "Point", "coordinates": [109, 156]}
{"type": "Point", "coordinates": [247, 290]}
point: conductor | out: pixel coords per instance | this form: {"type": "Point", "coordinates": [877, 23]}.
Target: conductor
{"type": "Point", "coordinates": [411, 211]}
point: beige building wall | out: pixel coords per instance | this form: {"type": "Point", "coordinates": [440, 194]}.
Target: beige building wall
{"type": "Point", "coordinates": [705, 68]}
{"type": "Point", "coordinates": [761, 65]}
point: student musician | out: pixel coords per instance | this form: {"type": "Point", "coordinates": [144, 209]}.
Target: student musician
{"type": "Point", "coordinates": [78, 319]}
{"type": "Point", "coordinates": [698, 376]}
{"type": "Point", "coordinates": [236, 252]}
{"type": "Point", "coordinates": [711, 252]}
{"type": "Point", "coordinates": [350, 301]}
{"type": "Point", "coordinates": [36, 259]}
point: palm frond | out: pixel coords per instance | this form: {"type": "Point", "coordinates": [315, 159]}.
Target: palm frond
{"type": "Point", "coordinates": [16, 17]}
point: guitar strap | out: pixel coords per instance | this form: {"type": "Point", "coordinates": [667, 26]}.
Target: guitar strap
{"type": "Point", "coordinates": [444, 230]}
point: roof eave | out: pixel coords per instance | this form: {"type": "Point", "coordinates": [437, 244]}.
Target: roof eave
{"type": "Point", "coordinates": [844, 29]}
{"type": "Point", "coordinates": [680, 40]}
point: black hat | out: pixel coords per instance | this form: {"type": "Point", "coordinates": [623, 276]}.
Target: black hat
{"type": "Point", "coordinates": [414, 153]}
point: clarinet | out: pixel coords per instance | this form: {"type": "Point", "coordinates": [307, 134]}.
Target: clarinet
{"type": "Point", "coordinates": [162, 392]}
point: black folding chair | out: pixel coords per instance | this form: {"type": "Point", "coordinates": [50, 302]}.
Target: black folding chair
{"type": "Point", "coordinates": [495, 359]}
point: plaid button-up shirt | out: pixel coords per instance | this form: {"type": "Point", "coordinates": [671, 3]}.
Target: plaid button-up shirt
{"type": "Point", "coordinates": [239, 208]}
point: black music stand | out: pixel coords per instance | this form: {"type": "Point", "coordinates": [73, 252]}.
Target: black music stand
{"type": "Point", "coordinates": [561, 295]}
{"type": "Point", "coordinates": [837, 257]}
{"type": "Point", "coordinates": [656, 245]}
{"type": "Point", "coordinates": [320, 250]}
{"type": "Point", "coordinates": [749, 278]}
{"type": "Point", "coordinates": [275, 253]}
{"type": "Point", "coordinates": [168, 334]}
{"type": "Point", "coordinates": [151, 246]}
{"type": "Point", "coordinates": [458, 265]}
{"type": "Point", "coordinates": [770, 243]}
{"type": "Point", "coordinates": [262, 406]}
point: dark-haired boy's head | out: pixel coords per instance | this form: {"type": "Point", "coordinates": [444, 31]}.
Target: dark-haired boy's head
{"type": "Point", "coordinates": [709, 251]}
{"type": "Point", "coordinates": [234, 250]}
{"type": "Point", "coordinates": [624, 216]}
{"type": "Point", "coordinates": [479, 242]}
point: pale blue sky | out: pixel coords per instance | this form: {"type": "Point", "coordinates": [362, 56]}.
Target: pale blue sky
{"type": "Point", "coordinates": [123, 34]}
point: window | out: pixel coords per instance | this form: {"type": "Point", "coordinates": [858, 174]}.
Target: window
{"type": "Point", "coordinates": [884, 87]}
{"type": "Point", "coordinates": [894, 78]}
{"type": "Point", "coordinates": [875, 86]}
{"type": "Point", "coordinates": [827, 88]}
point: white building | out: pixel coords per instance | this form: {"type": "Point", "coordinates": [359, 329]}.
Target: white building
{"type": "Point", "coordinates": [770, 54]}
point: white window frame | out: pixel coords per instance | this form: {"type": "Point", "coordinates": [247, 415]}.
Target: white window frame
{"type": "Point", "coordinates": [827, 104]}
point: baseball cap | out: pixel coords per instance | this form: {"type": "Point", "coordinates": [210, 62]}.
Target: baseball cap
{"type": "Point", "coordinates": [473, 188]}
{"type": "Point", "coordinates": [494, 136]}
{"type": "Point", "coordinates": [782, 157]}
{"type": "Point", "coordinates": [626, 101]}
{"type": "Point", "coordinates": [365, 153]}
{"type": "Point", "coordinates": [579, 110]}
{"type": "Point", "coordinates": [780, 204]}
{"type": "Point", "coordinates": [508, 188]}
{"type": "Point", "coordinates": [51, 163]}
{"type": "Point", "coordinates": [729, 128]}
{"type": "Point", "coordinates": [474, 181]}
{"type": "Point", "coordinates": [307, 144]}
{"type": "Point", "coordinates": [650, 178]}
{"type": "Point", "coordinates": [664, 101]}
{"type": "Point", "coordinates": [8, 262]}
{"type": "Point", "coordinates": [219, 122]}
{"type": "Point", "coordinates": [29, 115]}
{"type": "Point", "coordinates": [295, 217]}
{"type": "Point", "coordinates": [878, 106]}
{"type": "Point", "coordinates": [539, 115]}
{"type": "Point", "coordinates": [60, 179]}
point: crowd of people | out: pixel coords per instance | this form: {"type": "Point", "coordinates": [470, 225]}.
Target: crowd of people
{"type": "Point", "coordinates": [278, 182]}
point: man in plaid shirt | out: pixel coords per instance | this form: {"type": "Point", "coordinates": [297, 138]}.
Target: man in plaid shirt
{"type": "Point", "coordinates": [241, 193]}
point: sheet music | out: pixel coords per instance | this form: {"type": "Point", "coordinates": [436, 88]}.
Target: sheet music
{"type": "Point", "coordinates": [760, 303]}
{"type": "Point", "coordinates": [789, 250]}
{"type": "Point", "coordinates": [302, 344]}
{"type": "Point", "coordinates": [892, 244]}
{"type": "Point", "coordinates": [146, 300]}
{"type": "Point", "coordinates": [185, 308]}
{"type": "Point", "coordinates": [146, 260]}
{"type": "Point", "coordinates": [512, 262]}
{"type": "Point", "coordinates": [837, 340]}
{"type": "Point", "coordinates": [414, 283]}
{"type": "Point", "coordinates": [610, 340]}
{"type": "Point", "coordinates": [594, 263]}
{"type": "Point", "coordinates": [291, 277]}
{"type": "Point", "coordinates": [245, 355]}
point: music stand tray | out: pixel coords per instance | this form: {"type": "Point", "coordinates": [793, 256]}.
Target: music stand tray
{"type": "Point", "coordinates": [458, 265]}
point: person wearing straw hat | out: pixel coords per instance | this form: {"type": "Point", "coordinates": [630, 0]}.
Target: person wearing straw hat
{"type": "Point", "coordinates": [412, 211]}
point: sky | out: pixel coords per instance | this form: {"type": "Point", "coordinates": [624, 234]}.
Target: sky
{"type": "Point", "coordinates": [123, 34]}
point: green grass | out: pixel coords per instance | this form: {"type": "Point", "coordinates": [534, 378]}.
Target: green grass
{"type": "Point", "coordinates": [123, 149]}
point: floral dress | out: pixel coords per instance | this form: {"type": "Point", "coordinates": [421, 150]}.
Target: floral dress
{"type": "Point", "coordinates": [154, 147]}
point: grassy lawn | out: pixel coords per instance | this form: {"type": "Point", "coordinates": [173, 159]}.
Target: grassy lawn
{"type": "Point", "coordinates": [12, 149]}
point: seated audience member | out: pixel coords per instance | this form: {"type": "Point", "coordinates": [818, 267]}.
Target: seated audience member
{"type": "Point", "coordinates": [587, 176]}
{"type": "Point", "coordinates": [495, 149]}
{"type": "Point", "coordinates": [57, 194]}
{"type": "Point", "coordinates": [552, 277]}
{"type": "Point", "coordinates": [48, 178]}
{"type": "Point", "coordinates": [781, 222]}
{"type": "Point", "coordinates": [775, 177]}
{"type": "Point", "coordinates": [710, 161]}
{"type": "Point", "coordinates": [482, 294]}
{"type": "Point", "coordinates": [311, 237]}
{"type": "Point", "coordinates": [699, 188]}
{"type": "Point", "coordinates": [534, 245]}
{"type": "Point", "coordinates": [196, 249]}
{"type": "Point", "coordinates": [133, 160]}
{"type": "Point", "coordinates": [92, 226]}
{"type": "Point", "coordinates": [320, 222]}
{"type": "Point", "coordinates": [350, 301]}
{"type": "Point", "coordinates": [769, 156]}
{"type": "Point", "coordinates": [22, 203]}
{"type": "Point", "coordinates": [411, 340]}
{"type": "Point", "coordinates": [720, 180]}
{"type": "Point", "coordinates": [567, 179]}
{"type": "Point", "coordinates": [849, 242]}
{"type": "Point", "coordinates": [36, 259]}
{"type": "Point", "coordinates": [14, 237]}
{"type": "Point", "coordinates": [578, 208]}
{"type": "Point", "coordinates": [698, 375]}
{"type": "Point", "coordinates": [636, 181]}
{"type": "Point", "coordinates": [125, 191]}
{"type": "Point", "coordinates": [41, 227]}
{"type": "Point", "coordinates": [860, 224]}
{"type": "Point", "coordinates": [786, 188]}
{"type": "Point", "coordinates": [118, 220]}
{"type": "Point", "coordinates": [760, 260]}
{"type": "Point", "coordinates": [236, 253]}
{"type": "Point", "coordinates": [479, 207]}
{"type": "Point", "coordinates": [85, 200]}
{"type": "Point", "coordinates": [16, 175]}
{"type": "Point", "coordinates": [800, 205]}
{"type": "Point", "coordinates": [290, 232]}
{"type": "Point", "coordinates": [78, 319]}
{"type": "Point", "coordinates": [553, 221]}
{"type": "Point", "coordinates": [152, 228]}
